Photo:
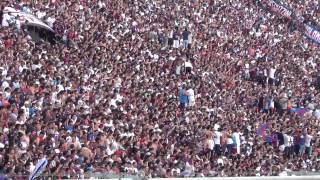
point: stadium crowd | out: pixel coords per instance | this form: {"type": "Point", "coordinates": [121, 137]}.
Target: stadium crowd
{"type": "Point", "coordinates": [160, 88]}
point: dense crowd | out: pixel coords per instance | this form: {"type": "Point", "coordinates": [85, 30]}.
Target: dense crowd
{"type": "Point", "coordinates": [160, 88]}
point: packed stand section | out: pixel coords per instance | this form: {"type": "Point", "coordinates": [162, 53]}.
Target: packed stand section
{"type": "Point", "coordinates": [159, 88]}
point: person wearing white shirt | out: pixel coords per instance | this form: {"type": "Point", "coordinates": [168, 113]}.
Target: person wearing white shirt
{"type": "Point", "coordinates": [191, 97]}
{"type": "Point", "coordinates": [236, 140]}
{"type": "Point", "coordinates": [307, 142]}
{"type": "Point", "coordinates": [288, 141]}
{"type": "Point", "coordinates": [229, 145]}
{"type": "Point", "coordinates": [217, 143]}
{"type": "Point", "coordinates": [291, 146]}
{"type": "Point", "coordinates": [188, 67]}
{"type": "Point", "coordinates": [272, 72]}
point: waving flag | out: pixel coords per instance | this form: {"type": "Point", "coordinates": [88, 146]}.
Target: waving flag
{"type": "Point", "coordinates": [299, 111]}
{"type": "Point", "coordinates": [40, 167]}
{"type": "Point", "coordinates": [262, 129]}
{"type": "Point", "coordinates": [312, 32]}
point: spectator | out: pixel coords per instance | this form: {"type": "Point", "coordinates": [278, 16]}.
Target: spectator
{"type": "Point", "coordinates": [191, 96]}
{"type": "Point", "coordinates": [185, 36]}
{"type": "Point", "coordinates": [308, 141]}
{"type": "Point", "coordinates": [183, 97]}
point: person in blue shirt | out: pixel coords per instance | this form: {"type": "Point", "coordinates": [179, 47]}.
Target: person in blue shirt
{"type": "Point", "coordinates": [183, 97]}
{"type": "Point", "coordinates": [185, 36]}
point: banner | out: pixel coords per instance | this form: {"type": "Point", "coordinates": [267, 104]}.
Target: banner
{"type": "Point", "coordinates": [277, 8]}
{"type": "Point", "coordinates": [40, 167]}
{"type": "Point", "coordinates": [312, 33]}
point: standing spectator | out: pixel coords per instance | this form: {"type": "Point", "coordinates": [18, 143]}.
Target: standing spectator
{"type": "Point", "coordinates": [271, 77]}
{"type": "Point", "coordinates": [236, 140]}
{"type": "Point", "coordinates": [185, 36]}
{"type": "Point", "coordinates": [302, 148]}
{"type": "Point", "coordinates": [176, 38]}
{"type": "Point", "coordinates": [187, 66]}
{"type": "Point", "coordinates": [191, 96]}
{"type": "Point", "coordinates": [308, 141]}
{"type": "Point", "coordinates": [183, 97]}
{"type": "Point", "coordinates": [217, 142]}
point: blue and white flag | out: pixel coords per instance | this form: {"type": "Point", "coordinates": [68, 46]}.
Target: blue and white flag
{"type": "Point", "coordinates": [40, 167]}
{"type": "Point", "coordinates": [312, 32]}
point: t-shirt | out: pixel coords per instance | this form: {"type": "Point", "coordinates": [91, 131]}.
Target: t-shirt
{"type": "Point", "coordinates": [272, 73]}
{"type": "Point", "coordinates": [210, 144]}
{"type": "Point", "coordinates": [188, 64]}
{"type": "Point", "coordinates": [190, 93]}
{"type": "Point", "coordinates": [183, 98]}
{"type": "Point", "coordinates": [229, 141]}
{"type": "Point", "coordinates": [307, 140]}
{"type": "Point", "coordinates": [175, 36]}
{"type": "Point", "coordinates": [185, 35]}
{"type": "Point", "coordinates": [217, 137]}
{"type": "Point", "coordinates": [236, 138]}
